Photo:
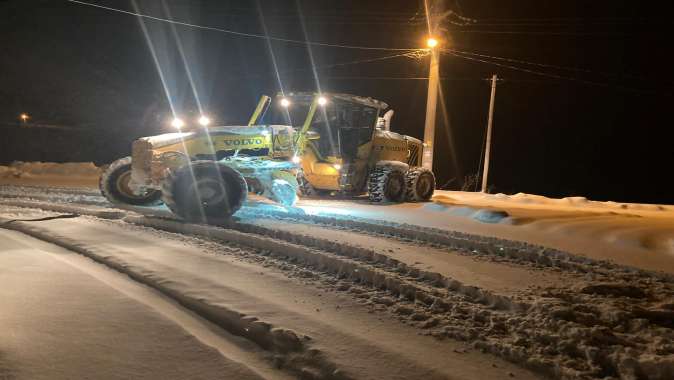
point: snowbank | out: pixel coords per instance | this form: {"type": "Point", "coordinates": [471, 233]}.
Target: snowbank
{"type": "Point", "coordinates": [631, 227]}
{"type": "Point", "coordinates": [52, 169]}
{"type": "Point", "coordinates": [70, 174]}
{"type": "Point", "coordinates": [531, 201]}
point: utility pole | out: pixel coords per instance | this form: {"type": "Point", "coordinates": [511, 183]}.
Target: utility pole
{"type": "Point", "coordinates": [434, 14]}
{"type": "Point", "coordinates": [490, 120]}
{"type": "Point", "coordinates": [431, 106]}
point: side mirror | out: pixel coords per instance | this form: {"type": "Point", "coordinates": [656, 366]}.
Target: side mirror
{"type": "Point", "coordinates": [312, 135]}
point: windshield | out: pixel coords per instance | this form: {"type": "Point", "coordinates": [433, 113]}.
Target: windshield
{"type": "Point", "coordinates": [342, 125]}
{"type": "Point", "coordinates": [293, 115]}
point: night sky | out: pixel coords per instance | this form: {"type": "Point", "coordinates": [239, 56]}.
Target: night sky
{"type": "Point", "coordinates": [600, 130]}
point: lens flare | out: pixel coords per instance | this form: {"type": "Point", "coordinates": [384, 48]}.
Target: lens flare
{"type": "Point", "coordinates": [177, 123]}
{"type": "Point", "coordinates": [204, 121]}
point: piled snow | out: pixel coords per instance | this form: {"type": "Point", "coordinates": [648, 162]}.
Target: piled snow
{"type": "Point", "coordinates": [531, 201]}
{"type": "Point", "coordinates": [49, 169]}
{"type": "Point", "coordinates": [578, 224]}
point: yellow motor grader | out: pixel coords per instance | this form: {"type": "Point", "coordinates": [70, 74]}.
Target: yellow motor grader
{"type": "Point", "coordinates": [304, 143]}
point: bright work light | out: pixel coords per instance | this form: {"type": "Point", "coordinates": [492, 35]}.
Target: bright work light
{"type": "Point", "coordinates": [203, 120]}
{"type": "Point", "coordinates": [177, 123]}
{"type": "Point", "coordinates": [322, 101]}
{"type": "Point", "coordinates": [285, 102]}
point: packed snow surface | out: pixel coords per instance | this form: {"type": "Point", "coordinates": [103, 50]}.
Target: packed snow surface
{"type": "Point", "coordinates": [339, 288]}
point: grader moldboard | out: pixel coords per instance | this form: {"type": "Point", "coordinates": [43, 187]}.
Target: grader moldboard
{"type": "Point", "coordinates": [310, 143]}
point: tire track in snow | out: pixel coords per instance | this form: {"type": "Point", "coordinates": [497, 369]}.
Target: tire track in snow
{"type": "Point", "coordinates": [590, 325]}
{"type": "Point", "coordinates": [229, 346]}
{"type": "Point", "coordinates": [480, 247]}
{"type": "Point", "coordinates": [309, 362]}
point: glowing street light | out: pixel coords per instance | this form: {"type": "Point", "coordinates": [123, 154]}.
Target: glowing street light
{"type": "Point", "coordinates": [24, 117]}
{"type": "Point", "coordinates": [177, 123]}
{"type": "Point", "coordinates": [322, 101]}
{"type": "Point", "coordinates": [285, 102]}
{"type": "Point", "coordinates": [431, 42]}
{"type": "Point", "coordinates": [204, 121]}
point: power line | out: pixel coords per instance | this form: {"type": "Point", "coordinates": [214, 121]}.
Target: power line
{"type": "Point", "coordinates": [412, 55]}
{"type": "Point", "coordinates": [566, 68]}
{"type": "Point", "coordinates": [448, 79]}
{"type": "Point", "coordinates": [579, 19]}
{"type": "Point", "coordinates": [579, 23]}
{"type": "Point", "coordinates": [241, 34]}
{"type": "Point", "coordinates": [516, 68]}
{"type": "Point", "coordinates": [543, 33]}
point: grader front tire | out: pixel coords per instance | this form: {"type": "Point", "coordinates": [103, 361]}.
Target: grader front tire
{"type": "Point", "coordinates": [114, 185]}
{"type": "Point", "coordinates": [204, 191]}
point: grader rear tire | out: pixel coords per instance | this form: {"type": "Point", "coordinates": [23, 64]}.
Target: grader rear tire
{"type": "Point", "coordinates": [114, 185]}
{"type": "Point", "coordinates": [420, 184]}
{"type": "Point", "coordinates": [204, 191]}
{"type": "Point", "coordinates": [386, 184]}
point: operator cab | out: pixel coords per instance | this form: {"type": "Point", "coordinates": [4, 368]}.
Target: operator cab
{"type": "Point", "coordinates": [336, 124]}
{"type": "Point", "coordinates": [335, 133]}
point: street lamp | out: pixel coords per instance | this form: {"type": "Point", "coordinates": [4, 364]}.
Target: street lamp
{"type": "Point", "coordinates": [24, 118]}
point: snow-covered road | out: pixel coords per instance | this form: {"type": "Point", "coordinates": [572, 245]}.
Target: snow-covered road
{"type": "Point", "coordinates": [65, 317]}
{"type": "Point", "coordinates": [326, 296]}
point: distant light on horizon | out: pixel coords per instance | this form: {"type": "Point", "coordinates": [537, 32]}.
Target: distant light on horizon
{"type": "Point", "coordinates": [24, 117]}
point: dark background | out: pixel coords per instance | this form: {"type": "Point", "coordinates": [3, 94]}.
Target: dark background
{"type": "Point", "coordinates": [90, 70]}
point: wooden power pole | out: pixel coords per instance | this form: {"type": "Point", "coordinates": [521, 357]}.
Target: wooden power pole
{"type": "Point", "coordinates": [487, 150]}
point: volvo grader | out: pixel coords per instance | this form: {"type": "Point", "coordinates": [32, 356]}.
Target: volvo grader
{"type": "Point", "coordinates": [301, 143]}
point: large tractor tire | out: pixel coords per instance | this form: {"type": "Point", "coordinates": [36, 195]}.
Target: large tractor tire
{"type": "Point", "coordinates": [204, 191]}
{"type": "Point", "coordinates": [420, 184]}
{"type": "Point", "coordinates": [114, 185]}
{"type": "Point", "coordinates": [386, 183]}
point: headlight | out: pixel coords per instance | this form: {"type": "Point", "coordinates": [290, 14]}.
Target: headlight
{"type": "Point", "coordinates": [177, 123]}
{"type": "Point", "coordinates": [204, 121]}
